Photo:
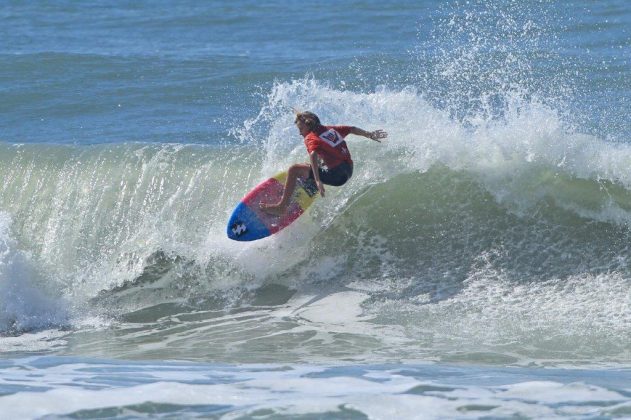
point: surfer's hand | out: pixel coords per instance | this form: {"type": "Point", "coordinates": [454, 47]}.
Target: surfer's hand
{"type": "Point", "coordinates": [377, 135]}
{"type": "Point", "coordinates": [321, 188]}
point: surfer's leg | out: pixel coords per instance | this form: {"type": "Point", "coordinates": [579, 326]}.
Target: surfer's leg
{"type": "Point", "coordinates": [299, 170]}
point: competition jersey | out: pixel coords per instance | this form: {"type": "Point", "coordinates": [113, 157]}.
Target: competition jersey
{"type": "Point", "coordinates": [330, 145]}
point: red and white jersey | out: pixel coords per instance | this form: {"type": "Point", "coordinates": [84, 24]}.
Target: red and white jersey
{"type": "Point", "coordinates": [330, 145]}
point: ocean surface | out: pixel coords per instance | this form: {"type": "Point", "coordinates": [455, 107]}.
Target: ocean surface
{"type": "Point", "coordinates": [477, 265]}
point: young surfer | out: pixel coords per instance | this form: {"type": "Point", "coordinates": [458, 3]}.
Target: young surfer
{"type": "Point", "coordinates": [328, 155]}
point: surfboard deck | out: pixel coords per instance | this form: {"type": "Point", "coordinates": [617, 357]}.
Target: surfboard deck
{"type": "Point", "coordinates": [249, 223]}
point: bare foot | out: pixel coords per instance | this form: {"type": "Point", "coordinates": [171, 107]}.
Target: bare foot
{"type": "Point", "coordinates": [273, 209]}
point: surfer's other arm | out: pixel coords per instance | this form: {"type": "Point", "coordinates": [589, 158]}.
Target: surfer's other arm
{"type": "Point", "coordinates": [376, 135]}
{"type": "Point", "coordinates": [313, 156]}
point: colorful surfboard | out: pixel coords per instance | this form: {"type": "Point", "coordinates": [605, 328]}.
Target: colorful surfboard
{"type": "Point", "coordinates": [249, 223]}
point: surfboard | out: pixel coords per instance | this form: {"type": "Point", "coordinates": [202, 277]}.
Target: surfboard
{"type": "Point", "coordinates": [249, 223]}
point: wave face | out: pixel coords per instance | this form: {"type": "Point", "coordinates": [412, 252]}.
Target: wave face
{"type": "Point", "coordinates": [491, 226]}
{"type": "Point", "coordinates": [508, 239]}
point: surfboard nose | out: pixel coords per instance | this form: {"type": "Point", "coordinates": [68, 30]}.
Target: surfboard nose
{"type": "Point", "coordinates": [244, 225]}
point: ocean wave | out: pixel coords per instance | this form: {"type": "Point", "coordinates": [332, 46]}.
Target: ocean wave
{"type": "Point", "coordinates": [442, 221]}
{"type": "Point", "coordinates": [106, 209]}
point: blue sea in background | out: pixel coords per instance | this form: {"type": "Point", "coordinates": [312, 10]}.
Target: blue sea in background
{"type": "Point", "coordinates": [477, 265]}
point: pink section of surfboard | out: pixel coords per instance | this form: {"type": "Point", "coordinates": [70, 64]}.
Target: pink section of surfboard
{"type": "Point", "coordinates": [268, 192]}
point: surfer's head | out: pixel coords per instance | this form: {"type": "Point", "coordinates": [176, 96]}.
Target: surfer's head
{"type": "Point", "coordinates": [307, 121]}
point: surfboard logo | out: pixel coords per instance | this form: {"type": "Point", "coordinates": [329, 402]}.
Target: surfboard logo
{"type": "Point", "coordinates": [239, 228]}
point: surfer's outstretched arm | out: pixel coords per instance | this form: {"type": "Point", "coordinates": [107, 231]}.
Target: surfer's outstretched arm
{"type": "Point", "coordinates": [376, 135]}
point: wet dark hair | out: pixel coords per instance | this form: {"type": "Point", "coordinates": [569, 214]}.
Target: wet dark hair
{"type": "Point", "coordinates": [310, 119]}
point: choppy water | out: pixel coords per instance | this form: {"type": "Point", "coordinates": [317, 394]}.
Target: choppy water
{"type": "Point", "coordinates": [476, 265]}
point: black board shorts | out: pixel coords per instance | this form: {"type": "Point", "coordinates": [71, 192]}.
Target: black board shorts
{"type": "Point", "coordinates": [336, 176]}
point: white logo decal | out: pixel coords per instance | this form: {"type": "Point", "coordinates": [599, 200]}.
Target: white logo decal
{"type": "Point", "coordinates": [239, 229]}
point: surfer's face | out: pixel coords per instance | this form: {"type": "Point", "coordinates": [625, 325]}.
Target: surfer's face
{"type": "Point", "coordinates": [302, 127]}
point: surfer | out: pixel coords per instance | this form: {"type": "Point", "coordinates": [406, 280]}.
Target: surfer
{"type": "Point", "coordinates": [328, 154]}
